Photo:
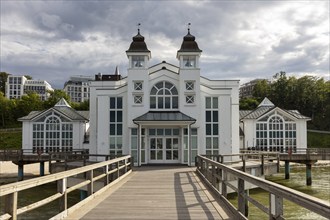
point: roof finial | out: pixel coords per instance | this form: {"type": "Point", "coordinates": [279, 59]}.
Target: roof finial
{"type": "Point", "coordinates": [189, 27]}
{"type": "Point", "coordinates": [139, 24]}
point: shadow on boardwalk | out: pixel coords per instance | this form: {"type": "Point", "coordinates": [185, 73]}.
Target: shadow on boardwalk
{"type": "Point", "coordinates": [156, 192]}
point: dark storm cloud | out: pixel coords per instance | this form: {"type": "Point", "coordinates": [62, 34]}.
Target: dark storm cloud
{"type": "Point", "coordinates": [240, 40]}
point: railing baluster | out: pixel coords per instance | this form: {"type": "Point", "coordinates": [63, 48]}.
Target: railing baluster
{"type": "Point", "coordinates": [61, 188]}
{"type": "Point", "coordinates": [90, 186]}
{"type": "Point", "coordinates": [275, 207]}
{"type": "Point", "coordinates": [11, 205]}
{"type": "Point", "coordinates": [242, 202]}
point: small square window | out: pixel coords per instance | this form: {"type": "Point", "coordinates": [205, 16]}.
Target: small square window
{"type": "Point", "coordinates": [138, 99]}
{"type": "Point", "coordinates": [190, 99]}
{"type": "Point", "coordinates": [189, 85]}
{"type": "Point", "coordinates": [138, 86]}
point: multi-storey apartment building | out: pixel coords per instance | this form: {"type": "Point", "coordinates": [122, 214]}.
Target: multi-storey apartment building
{"type": "Point", "coordinates": [16, 86]}
{"type": "Point", "coordinates": [78, 88]}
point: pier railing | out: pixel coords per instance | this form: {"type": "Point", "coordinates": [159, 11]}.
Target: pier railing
{"type": "Point", "coordinates": [243, 158]}
{"type": "Point", "coordinates": [39, 154]}
{"type": "Point", "coordinates": [108, 172]}
{"type": "Point", "coordinates": [215, 175]}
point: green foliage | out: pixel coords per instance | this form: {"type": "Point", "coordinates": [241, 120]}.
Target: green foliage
{"type": "Point", "coordinates": [80, 106]}
{"type": "Point", "coordinates": [261, 90]}
{"type": "Point", "coordinates": [318, 140]}
{"type": "Point", "coordinates": [309, 95]}
{"type": "Point", "coordinates": [3, 80]}
{"type": "Point", "coordinates": [248, 104]}
{"type": "Point", "coordinates": [12, 109]}
{"type": "Point", "coordinates": [54, 97]}
{"type": "Point", "coordinates": [10, 140]}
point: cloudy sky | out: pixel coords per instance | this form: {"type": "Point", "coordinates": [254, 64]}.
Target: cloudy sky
{"type": "Point", "coordinates": [53, 40]}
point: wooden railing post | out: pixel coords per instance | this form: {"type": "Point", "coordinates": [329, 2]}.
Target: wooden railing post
{"type": "Point", "coordinates": [223, 183]}
{"type": "Point", "coordinates": [213, 177]}
{"type": "Point", "coordinates": [275, 207]}
{"type": "Point", "coordinates": [125, 161]}
{"type": "Point", "coordinates": [244, 163]}
{"type": "Point", "coordinates": [61, 188]}
{"type": "Point", "coordinates": [106, 171]}
{"type": "Point", "coordinates": [242, 201]}
{"type": "Point", "coordinates": [262, 164]}
{"type": "Point", "coordinates": [117, 164]}
{"type": "Point", "coordinates": [90, 186]}
{"type": "Point", "coordinates": [11, 205]}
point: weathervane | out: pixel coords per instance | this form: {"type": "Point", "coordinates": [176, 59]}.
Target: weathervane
{"type": "Point", "coordinates": [138, 25]}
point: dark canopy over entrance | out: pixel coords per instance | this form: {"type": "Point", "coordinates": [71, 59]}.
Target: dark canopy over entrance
{"type": "Point", "coordinates": [165, 116]}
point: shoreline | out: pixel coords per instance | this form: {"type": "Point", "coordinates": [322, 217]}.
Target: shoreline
{"type": "Point", "coordinates": [9, 170]}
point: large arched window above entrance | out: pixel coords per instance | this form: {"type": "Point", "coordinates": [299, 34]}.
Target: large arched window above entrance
{"type": "Point", "coordinates": [164, 95]}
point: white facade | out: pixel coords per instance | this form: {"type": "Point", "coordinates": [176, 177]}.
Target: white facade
{"type": "Point", "coordinates": [269, 128]}
{"type": "Point", "coordinates": [164, 113]}
{"type": "Point", "coordinates": [17, 86]}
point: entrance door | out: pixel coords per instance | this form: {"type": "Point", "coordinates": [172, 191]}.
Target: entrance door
{"type": "Point", "coordinates": [172, 149]}
{"type": "Point", "coordinates": [164, 150]}
{"type": "Point", "coordinates": [156, 149]}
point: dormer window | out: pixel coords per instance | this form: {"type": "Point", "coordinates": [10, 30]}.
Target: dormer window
{"type": "Point", "coordinates": [137, 61]}
{"type": "Point", "coordinates": [189, 61]}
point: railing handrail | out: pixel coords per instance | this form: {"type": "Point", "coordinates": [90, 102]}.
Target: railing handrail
{"type": "Point", "coordinates": [10, 191]}
{"type": "Point", "coordinates": [316, 205]}
{"type": "Point", "coordinates": [22, 185]}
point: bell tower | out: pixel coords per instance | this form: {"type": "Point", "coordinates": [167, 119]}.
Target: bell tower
{"type": "Point", "coordinates": [189, 53]}
{"type": "Point", "coordinates": [138, 53]}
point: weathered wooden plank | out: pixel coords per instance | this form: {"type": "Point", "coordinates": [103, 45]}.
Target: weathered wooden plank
{"type": "Point", "coordinates": [158, 193]}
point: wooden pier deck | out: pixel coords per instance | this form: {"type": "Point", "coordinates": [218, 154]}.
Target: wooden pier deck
{"type": "Point", "coordinates": [156, 192]}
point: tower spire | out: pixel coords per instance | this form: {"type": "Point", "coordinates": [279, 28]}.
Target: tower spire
{"type": "Point", "coordinates": [189, 27]}
{"type": "Point", "coordinates": [139, 24]}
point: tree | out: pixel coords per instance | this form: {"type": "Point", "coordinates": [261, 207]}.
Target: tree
{"type": "Point", "coordinates": [309, 95]}
{"type": "Point", "coordinates": [261, 90]}
{"type": "Point", "coordinates": [54, 97]}
{"type": "Point", "coordinates": [28, 103]}
{"type": "Point", "coordinates": [28, 77]}
{"type": "Point", "coordinates": [3, 80]}
{"type": "Point", "coordinates": [7, 107]}
{"type": "Point", "coordinates": [80, 106]}
{"type": "Point", "coordinates": [248, 104]}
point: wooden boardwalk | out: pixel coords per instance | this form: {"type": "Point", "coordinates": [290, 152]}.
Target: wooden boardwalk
{"type": "Point", "coordinates": [156, 192]}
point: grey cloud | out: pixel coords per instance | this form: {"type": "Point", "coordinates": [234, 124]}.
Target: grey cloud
{"type": "Point", "coordinates": [99, 32]}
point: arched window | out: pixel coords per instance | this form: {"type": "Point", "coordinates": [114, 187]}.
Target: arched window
{"type": "Point", "coordinates": [164, 95]}
{"type": "Point", "coordinates": [53, 131]}
{"type": "Point", "coordinates": [276, 130]}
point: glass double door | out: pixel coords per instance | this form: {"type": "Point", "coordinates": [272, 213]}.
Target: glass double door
{"type": "Point", "coordinates": [164, 150]}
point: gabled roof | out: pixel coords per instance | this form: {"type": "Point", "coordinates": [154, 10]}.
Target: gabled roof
{"type": "Point", "coordinates": [63, 108]}
{"type": "Point", "coordinates": [266, 103]}
{"type": "Point", "coordinates": [255, 114]}
{"type": "Point", "coordinates": [266, 106]}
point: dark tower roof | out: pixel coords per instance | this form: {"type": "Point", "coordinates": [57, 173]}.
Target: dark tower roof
{"type": "Point", "coordinates": [189, 44]}
{"type": "Point", "coordinates": [138, 44]}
